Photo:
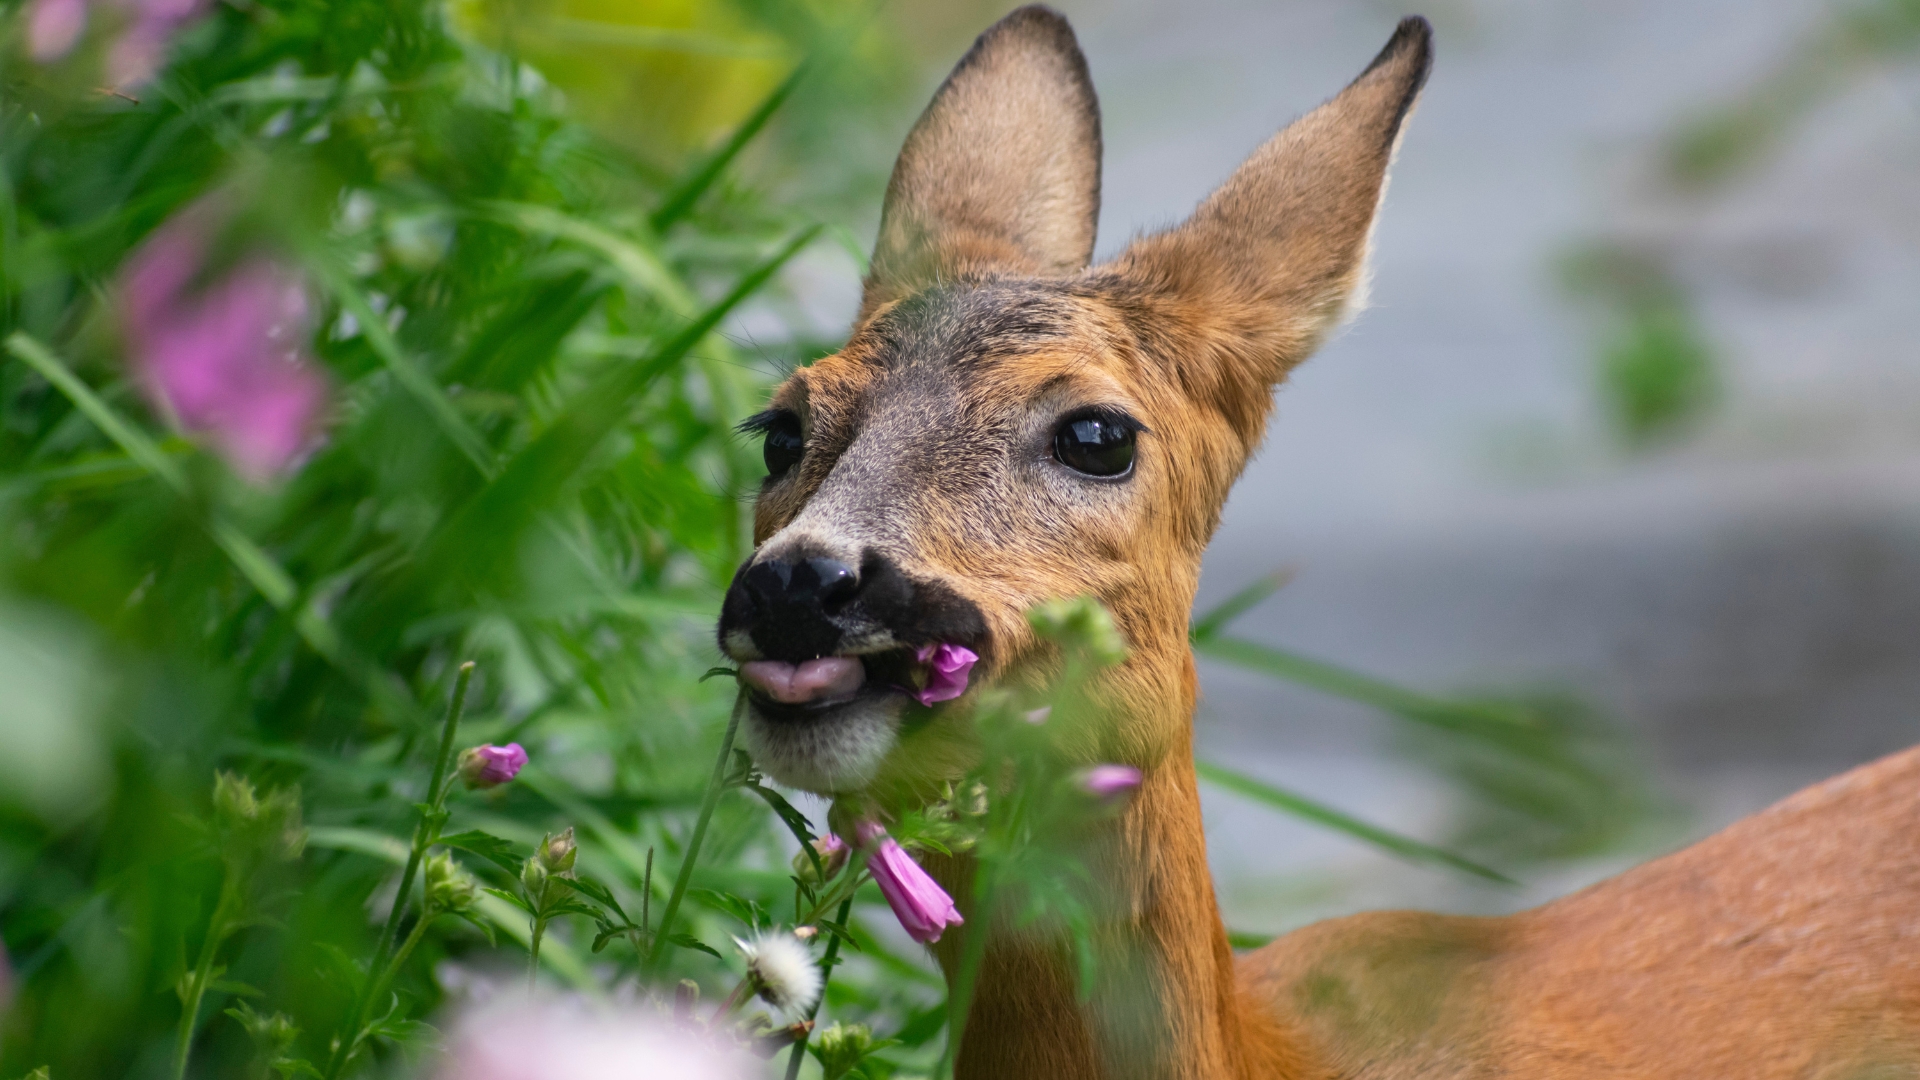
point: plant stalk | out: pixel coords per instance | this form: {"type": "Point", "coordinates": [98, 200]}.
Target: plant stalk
{"type": "Point", "coordinates": [707, 803]}
{"type": "Point", "coordinates": [424, 835]}
{"type": "Point", "coordinates": [826, 975]}
{"type": "Point", "coordinates": [217, 928]}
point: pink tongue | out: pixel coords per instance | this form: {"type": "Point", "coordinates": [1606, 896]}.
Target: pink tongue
{"type": "Point", "coordinates": [809, 680]}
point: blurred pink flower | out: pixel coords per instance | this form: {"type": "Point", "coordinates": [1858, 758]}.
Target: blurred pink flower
{"type": "Point", "coordinates": [947, 669]}
{"type": "Point", "coordinates": [521, 1039]}
{"type": "Point", "coordinates": [487, 765]}
{"type": "Point", "coordinates": [227, 359]}
{"type": "Point", "coordinates": [53, 28]}
{"type": "Point", "coordinates": [922, 906]}
{"type": "Point", "coordinates": [1110, 783]}
{"type": "Point", "coordinates": [147, 26]}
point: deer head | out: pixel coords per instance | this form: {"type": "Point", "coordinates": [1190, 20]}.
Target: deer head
{"type": "Point", "coordinates": [1007, 425]}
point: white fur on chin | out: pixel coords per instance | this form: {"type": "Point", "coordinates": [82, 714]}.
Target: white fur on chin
{"type": "Point", "coordinates": [834, 754]}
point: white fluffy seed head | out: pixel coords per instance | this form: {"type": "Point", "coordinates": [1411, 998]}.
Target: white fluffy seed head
{"type": "Point", "coordinates": [783, 972]}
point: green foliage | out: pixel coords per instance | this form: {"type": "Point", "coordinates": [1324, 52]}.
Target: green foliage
{"type": "Point", "coordinates": [529, 464]}
{"type": "Point", "coordinates": [1655, 372]}
{"type": "Point", "coordinates": [1718, 146]}
{"type": "Point", "coordinates": [516, 528]}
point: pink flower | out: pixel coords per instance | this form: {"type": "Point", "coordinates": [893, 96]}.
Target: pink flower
{"type": "Point", "coordinates": [922, 906]}
{"type": "Point", "coordinates": [518, 1039]}
{"type": "Point", "coordinates": [947, 669]}
{"type": "Point", "coordinates": [225, 359]}
{"type": "Point", "coordinates": [1110, 783]}
{"type": "Point", "coordinates": [833, 853]}
{"type": "Point", "coordinates": [487, 765]}
{"type": "Point", "coordinates": [53, 28]}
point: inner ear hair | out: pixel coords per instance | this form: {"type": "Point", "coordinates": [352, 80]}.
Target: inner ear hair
{"type": "Point", "coordinates": [1276, 257]}
{"type": "Point", "coordinates": [1001, 175]}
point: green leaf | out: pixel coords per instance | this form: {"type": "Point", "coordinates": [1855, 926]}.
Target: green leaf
{"type": "Point", "coordinates": [717, 672]}
{"type": "Point", "coordinates": [489, 847]}
{"type": "Point", "coordinates": [1320, 814]}
{"type": "Point", "coordinates": [600, 894]}
{"type": "Point", "coordinates": [745, 911]}
{"type": "Point", "coordinates": [676, 205]}
{"type": "Point", "coordinates": [688, 941]}
{"type": "Point", "coordinates": [511, 899]}
{"type": "Point", "coordinates": [1343, 682]}
{"type": "Point", "coordinates": [1206, 626]}
{"type": "Point", "coordinates": [795, 821]}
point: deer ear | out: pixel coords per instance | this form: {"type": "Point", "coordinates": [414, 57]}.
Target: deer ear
{"type": "Point", "coordinates": [1002, 172]}
{"type": "Point", "coordinates": [1275, 258]}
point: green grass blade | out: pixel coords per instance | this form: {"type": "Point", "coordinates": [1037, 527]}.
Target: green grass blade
{"type": "Point", "coordinates": [681, 200]}
{"type": "Point", "coordinates": [129, 438]}
{"type": "Point", "coordinates": [1206, 626]}
{"type": "Point", "coordinates": [486, 527]}
{"type": "Point", "coordinates": [1319, 814]}
{"type": "Point", "coordinates": [1352, 685]}
{"type": "Point", "coordinates": [258, 567]}
{"type": "Point", "coordinates": [406, 371]}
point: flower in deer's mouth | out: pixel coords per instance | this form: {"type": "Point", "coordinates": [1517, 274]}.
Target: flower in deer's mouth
{"type": "Point", "coordinates": [948, 667]}
{"type": "Point", "coordinates": [781, 971]}
{"type": "Point", "coordinates": [922, 906]}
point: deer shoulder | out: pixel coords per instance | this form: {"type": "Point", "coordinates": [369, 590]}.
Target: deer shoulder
{"type": "Point", "coordinates": [1787, 945]}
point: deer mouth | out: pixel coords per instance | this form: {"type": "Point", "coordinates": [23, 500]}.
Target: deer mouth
{"type": "Point", "coordinates": [826, 724]}
{"type": "Point", "coordinates": [807, 689]}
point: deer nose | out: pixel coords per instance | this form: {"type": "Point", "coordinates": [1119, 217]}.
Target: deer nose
{"type": "Point", "coordinates": [788, 605]}
{"type": "Point", "coordinates": [816, 583]}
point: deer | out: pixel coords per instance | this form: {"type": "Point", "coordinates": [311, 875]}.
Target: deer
{"type": "Point", "coordinates": [1009, 424]}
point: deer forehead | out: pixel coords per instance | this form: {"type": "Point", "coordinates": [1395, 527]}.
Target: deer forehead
{"type": "Point", "coordinates": [929, 434]}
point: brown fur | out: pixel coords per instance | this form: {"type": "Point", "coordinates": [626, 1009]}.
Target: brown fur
{"type": "Point", "coordinates": [1785, 947]}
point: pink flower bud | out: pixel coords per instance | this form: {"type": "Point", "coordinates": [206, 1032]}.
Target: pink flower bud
{"type": "Point", "coordinates": [948, 667]}
{"type": "Point", "coordinates": [1110, 783]}
{"type": "Point", "coordinates": [227, 359]}
{"type": "Point", "coordinates": [487, 765]}
{"type": "Point", "coordinates": [833, 853]}
{"type": "Point", "coordinates": [922, 906]}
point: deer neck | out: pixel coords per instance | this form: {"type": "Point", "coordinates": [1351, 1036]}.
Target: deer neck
{"type": "Point", "coordinates": [1163, 1004]}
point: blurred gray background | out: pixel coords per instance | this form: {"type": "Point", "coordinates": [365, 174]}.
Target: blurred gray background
{"type": "Point", "coordinates": [1742, 593]}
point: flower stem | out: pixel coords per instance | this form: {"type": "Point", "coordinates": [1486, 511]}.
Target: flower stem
{"type": "Point", "coordinates": [707, 803]}
{"type": "Point", "coordinates": [424, 835]}
{"type": "Point", "coordinates": [533, 952]}
{"type": "Point", "coordinates": [217, 929]}
{"type": "Point", "coordinates": [826, 975]}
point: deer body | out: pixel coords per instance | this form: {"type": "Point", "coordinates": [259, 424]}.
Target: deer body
{"type": "Point", "coordinates": [1008, 425]}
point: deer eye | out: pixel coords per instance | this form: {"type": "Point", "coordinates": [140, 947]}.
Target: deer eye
{"type": "Point", "coordinates": [1096, 442]}
{"type": "Point", "coordinates": [783, 444]}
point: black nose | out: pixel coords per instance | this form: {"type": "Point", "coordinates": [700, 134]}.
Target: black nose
{"type": "Point", "coordinates": [815, 583]}
{"type": "Point", "coordinates": [788, 605]}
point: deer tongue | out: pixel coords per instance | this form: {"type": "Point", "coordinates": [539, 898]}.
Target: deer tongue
{"type": "Point", "coordinates": [810, 680]}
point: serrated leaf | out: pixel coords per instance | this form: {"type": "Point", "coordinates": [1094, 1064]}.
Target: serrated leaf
{"type": "Point", "coordinates": [509, 898]}
{"type": "Point", "coordinates": [688, 941]}
{"type": "Point", "coordinates": [238, 989]}
{"type": "Point", "coordinates": [489, 847]}
{"type": "Point", "coordinates": [599, 893]}
{"type": "Point", "coordinates": [795, 821]}
{"type": "Point", "coordinates": [746, 911]}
